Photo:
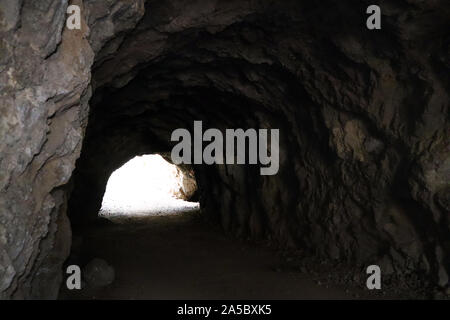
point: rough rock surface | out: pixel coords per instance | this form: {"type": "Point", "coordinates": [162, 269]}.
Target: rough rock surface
{"type": "Point", "coordinates": [364, 118]}
{"type": "Point", "coordinates": [45, 74]}
{"type": "Point", "coordinates": [187, 185]}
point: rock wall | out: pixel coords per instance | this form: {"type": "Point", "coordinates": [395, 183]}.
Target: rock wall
{"type": "Point", "coordinates": [363, 117]}
{"type": "Point", "coordinates": [45, 74]}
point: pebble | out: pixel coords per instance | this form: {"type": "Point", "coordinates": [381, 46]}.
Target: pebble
{"type": "Point", "coordinates": [98, 273]}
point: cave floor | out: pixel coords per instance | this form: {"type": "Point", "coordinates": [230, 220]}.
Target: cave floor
{"type": "Point", "coordinates": [182, 257]}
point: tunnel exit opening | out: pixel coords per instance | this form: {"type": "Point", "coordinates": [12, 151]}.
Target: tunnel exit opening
{"type": "Point", "coordinates": [148, 185]}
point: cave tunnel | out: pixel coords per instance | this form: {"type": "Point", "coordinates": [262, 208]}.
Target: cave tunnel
{"type": "Point", "coordinates": [364, 151]}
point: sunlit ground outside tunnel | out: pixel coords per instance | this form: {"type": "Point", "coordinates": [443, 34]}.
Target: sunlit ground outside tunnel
{"type": "Point", "coordinates": [146, 185]}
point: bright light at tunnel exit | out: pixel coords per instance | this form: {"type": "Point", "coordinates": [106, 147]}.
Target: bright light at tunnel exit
{"type": "Point", "coordinates": [145, 185]}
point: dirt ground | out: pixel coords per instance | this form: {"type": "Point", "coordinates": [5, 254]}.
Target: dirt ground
{"type": "Point", "coordinates": [181, 257]}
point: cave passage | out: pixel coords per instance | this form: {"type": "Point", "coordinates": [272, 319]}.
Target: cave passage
{"type": "Point", "coordinates": [362, 148]}
{"type": "Point", "coordinates": [147, 185]}
{"type": "Point", "coordinates": [347, 193]}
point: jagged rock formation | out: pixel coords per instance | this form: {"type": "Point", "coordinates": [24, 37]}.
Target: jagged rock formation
{"type": "Point", "coordinates": [363, 117]}
{"type": "Point", "coordinates": [187, 184]}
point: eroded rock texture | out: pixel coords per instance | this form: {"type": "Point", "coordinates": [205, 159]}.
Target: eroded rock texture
{"type": "Point", "coordinates": [45, 74]}
{"type": "Point", "coordinates": [363, 117]}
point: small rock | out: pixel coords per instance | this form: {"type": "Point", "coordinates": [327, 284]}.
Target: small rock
{"type": "Point", "coordinates": [98, 273]}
